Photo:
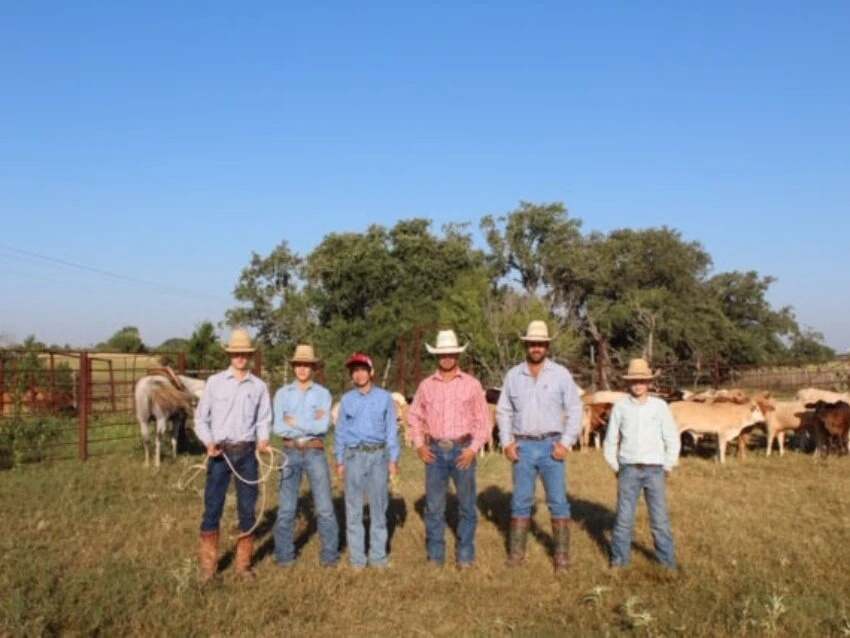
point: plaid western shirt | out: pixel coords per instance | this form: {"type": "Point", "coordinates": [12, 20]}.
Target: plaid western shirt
{"type": "Point", "coordinates": [449, 410]}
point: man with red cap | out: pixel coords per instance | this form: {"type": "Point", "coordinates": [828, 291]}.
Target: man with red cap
{"type": "Point", "coordinates": [367, 452]}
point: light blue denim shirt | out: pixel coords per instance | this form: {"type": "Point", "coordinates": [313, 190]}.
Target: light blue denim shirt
{"type": "Point", "coordinates": [366, 419]}
{"type": "Point", "coordinates": [233, 410]}
{"type": "Point", "coordinates": [532, 406]}
{"type": "Point", "coordinates": [302, 405]}
{"type": "Point", "coordinates": [641, 433]}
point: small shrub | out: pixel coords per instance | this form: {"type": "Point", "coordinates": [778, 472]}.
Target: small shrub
{"type": "Point", "coordinates": [25, 439]}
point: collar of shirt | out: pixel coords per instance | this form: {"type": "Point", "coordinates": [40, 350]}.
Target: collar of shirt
{"type": "Point", "coordinates": [230, 373]}
{"type": "Point", "coordinates": [439, 377]}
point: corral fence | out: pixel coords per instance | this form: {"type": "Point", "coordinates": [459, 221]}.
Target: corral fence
{"type": "Point", "coordinates": [65, 404]}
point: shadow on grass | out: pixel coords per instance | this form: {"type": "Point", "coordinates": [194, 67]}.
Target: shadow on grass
{"type": "Point", "coordinates": [452, 513]}
{"type": "Point", "coordinates": [264, 534]}
{"type": "Point", "coordinates": [494, 503]}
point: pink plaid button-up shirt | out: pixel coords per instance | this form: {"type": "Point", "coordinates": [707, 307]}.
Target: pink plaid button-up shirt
{"type": "Point", "coordinates": [449, 410]}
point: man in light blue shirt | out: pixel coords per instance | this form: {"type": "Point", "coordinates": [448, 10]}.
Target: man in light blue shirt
{"type": "Point", "coordinates": [302, 414]}
{"type": "Point", "coordinates": [642, 447]}
{"type": "Point", "coordinates": [539, 416]}
{"type": "Point", "coordinates": [367, 453]}
{"type": "Point", "coordinates": [233, 420]}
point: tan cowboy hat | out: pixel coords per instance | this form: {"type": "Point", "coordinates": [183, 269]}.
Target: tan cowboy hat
{"type": "Point", "coordinates": [304, 354]}
{"type": "Point", "coordinates": [537, 331]}
{"type": "Point", "coordinates": [639, 370]}
{"type": "Point", "coordinates": [240, 341]}
{"type": "Point", "coordinates": [447, 344]}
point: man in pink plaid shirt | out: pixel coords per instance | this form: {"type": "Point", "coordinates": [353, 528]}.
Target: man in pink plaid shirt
{"type": "Point", "coordinates": [449, 423]}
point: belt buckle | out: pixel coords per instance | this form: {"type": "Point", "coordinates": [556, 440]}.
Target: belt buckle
{"type": "Point", "coordinates": [301, 441]}
{"type": "Point", "coordinates": [445, 444]}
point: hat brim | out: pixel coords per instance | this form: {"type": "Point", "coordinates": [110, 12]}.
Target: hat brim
{"type": "Point", "coordinates": [314, 362]}
{"type": "Point", "coordinates": [448, 350]}
{"type": "Point", "coordinates": [641, 377]}
{"type": "Point", "coordinates": [240, 350]}
{"type": "Point", "coordinates": [535, 339]}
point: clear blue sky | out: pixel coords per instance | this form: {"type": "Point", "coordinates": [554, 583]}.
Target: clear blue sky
{"type": "Point", "coordinates": [165, 141]}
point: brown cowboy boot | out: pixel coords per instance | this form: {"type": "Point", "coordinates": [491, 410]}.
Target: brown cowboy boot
{"type": "Point", "coordinates": [208, 556]}
{"type": "Point", "coordinates": [561, 534]}
{"type": "Point", "coordinates": [244, 551]}
{"type": "Point", "coordinates": [517, 538]}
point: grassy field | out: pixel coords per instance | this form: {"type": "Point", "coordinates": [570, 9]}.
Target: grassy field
{"type": "Point", "coordinates": [107, 547]}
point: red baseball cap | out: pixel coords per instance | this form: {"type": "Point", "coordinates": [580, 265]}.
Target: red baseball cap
{"type": "Point", "coordinates": [359, 359]}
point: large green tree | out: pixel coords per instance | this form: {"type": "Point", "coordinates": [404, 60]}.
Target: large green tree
{"type": "Point", "coordinates": [127, 340]}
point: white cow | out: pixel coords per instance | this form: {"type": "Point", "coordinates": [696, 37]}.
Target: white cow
{"type": "Point", "coordinates": [724, 420]}
{"type": "Point", "coordinates": [813, 395]}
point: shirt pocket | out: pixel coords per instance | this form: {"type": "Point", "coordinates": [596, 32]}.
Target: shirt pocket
{"type": "Point", "coordinates": [249, 407]}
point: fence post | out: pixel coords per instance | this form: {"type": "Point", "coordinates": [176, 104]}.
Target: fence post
{"type": "Point", "coordinates": [112, 387]}
{"type": "Point", "coordinates": [402, 364]}
{"type": "Point", "coordinates": [83, 406]}
{"type": "Point", "coordinates": [258, 364]}
{"type": "Point", "coordinates": [181, 362]}
{"type": "Point", "coordinates": [715, 371]}
{"type": "Point", "coordinates": [2, 386]}
{"type": "Point", "coordinates": [417, 359]}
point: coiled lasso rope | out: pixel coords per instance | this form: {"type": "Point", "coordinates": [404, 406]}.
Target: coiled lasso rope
{"type": "Point", "coordinates": [266, 468]}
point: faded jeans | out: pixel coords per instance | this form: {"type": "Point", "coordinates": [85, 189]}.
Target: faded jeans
{"type": "Point", "coordinates": [437, 476]}
{"type": "Point", "coordinates": [366, 471]}
{"type": "Point", "coordinates": [314, 464]}
{"type": "Point", "coordinates": [535, 457]}
{"type": "Point", "coordinates": [630, 481]}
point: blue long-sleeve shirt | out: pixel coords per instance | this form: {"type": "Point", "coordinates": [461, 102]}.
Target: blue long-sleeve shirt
{"type": "Point", "coordinates": [233, 409]}
{"type": "Point", "coordinates": [368, 419]}
{"type": "Point", "coordinates": [533, 406]}
{"type": "Point", "coordinates": [303, 406]}
{"type": "Point", "coordinates": [641, 433]}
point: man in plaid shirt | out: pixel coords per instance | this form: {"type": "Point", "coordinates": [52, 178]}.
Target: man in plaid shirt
{"type": "Point", "coordinates": [449, 423]}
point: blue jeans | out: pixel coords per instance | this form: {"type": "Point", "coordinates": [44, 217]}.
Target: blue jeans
{"type": "Point", "coordinates": [535, 457]}
{"type": "Point", "coordinates": [366, 471]}
{"type": "Point", "coordinates": [314, 463]}
{"type": "Point", "coordinates": [437, 476]}
{"type": "Point", "coordinates": [630, 481]}
{"type": "Point", "coordinates": [218, 480]}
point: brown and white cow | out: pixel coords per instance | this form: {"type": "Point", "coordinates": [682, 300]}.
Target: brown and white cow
{"type": "Point", "coordinates": [726, 421]}
{"type": "Point", "coordinates": [781, 417]}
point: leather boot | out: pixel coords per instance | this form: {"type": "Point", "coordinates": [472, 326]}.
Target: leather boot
{"type": "Point", "coordinates": [561, 534]}
{"type": "Point", "coordinates": [208, 556]}
{"type": "Point", "coordinates": [516, 541]}
{"type": "Point", "coordinates": [244, 551]}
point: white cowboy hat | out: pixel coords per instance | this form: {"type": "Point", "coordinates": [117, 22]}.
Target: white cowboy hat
{"type": "Point", "coordinates": [304, 354]}
{"type": "Point", "coordinates": [537, 331]}
{"type": "Point", "coordinates": [639, 370]}
{"type": "Point", "coordinates": [240, 341]}
{"type": "Point", "coordinates": [446, 343]}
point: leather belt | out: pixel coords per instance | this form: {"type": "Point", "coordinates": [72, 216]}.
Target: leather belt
{"type": "Point", "coordinates": [536, 437]}
{"type": "Point", "coordinates": [305, 444]}
{"type": "Point", "coordinates": [369, 447]}
{"type": "Point", "coordinates": [449, 444]}
{"type": "Point", "coordinates": [645, 466]}
{"type": "Point", "coordinates": [235, 446]}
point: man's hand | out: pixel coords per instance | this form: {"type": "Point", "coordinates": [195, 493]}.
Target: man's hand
{"type": "Point", "coordinates": [393, 468]}
{"type": "Point", "coordinates": [213, 450]}
{"type": "Point", "coordinates": [340, 471]}
{"type": "Point", "coordinates": [666, 473]}
{"type": "Point", "coordinates": [559, 451]}
{"type": "Point", "coordinates": [290, 421]}
{"type": "Point", "coordinates": [425, 454]}
{"type": "Point", "coordinates": [263, 446]}
{"type": "Point", "coordinates": [466, 458]}
{"type": "Point", "coordinates": [512, 453]}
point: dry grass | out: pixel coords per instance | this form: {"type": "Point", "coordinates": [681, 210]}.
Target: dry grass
{"type": "Point", "coordinates": [106, 547]}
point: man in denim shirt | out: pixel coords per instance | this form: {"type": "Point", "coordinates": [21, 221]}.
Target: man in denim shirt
{"type": "Point", "coordinates": [233, 420]}
{"type": "Point", "coordinates": [642, 447]}
{"type": "Point", "coordinates": [367, 450]}
{"type": "Point", "coordinates": [536, 396]}
{"type": "Point", "coordinates": [302, 416]}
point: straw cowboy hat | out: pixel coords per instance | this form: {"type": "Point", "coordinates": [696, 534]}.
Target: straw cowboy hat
{"type": "Point", "coordinates": [639, 370]}
{"type": "Point", "coordinates": [446, 344]}
{"type": "Point", "coordinates": [304, 354]}
{"type": "Point", "coordinates": [537, 331]}
{"type": "Point", "coordinates": [240, 341]}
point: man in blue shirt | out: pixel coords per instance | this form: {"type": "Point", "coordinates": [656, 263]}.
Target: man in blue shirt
{"type": "Point", "coordinates": [233, 420]}
{"type": "Point", "coordinates": [642, 447]}
{"type": "Point", "coordinates": [367, 450]}
{"type": "Point", "coordinates": [536, 397]}
{"type": "Point", "coordinates": [301, 419]}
